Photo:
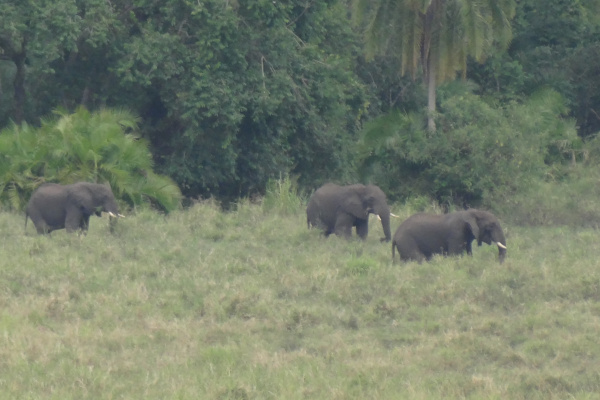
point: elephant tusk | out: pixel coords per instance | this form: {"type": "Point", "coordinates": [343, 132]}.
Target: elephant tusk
{"type": "Point", "coordinates": [501, 245]}
{"type": "Point", "coordinates": [116, 216]}
{"type": "Point", "coordinates": [394, 215]}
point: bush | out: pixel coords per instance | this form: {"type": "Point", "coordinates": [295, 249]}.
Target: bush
{"type": "Point", "coordinates": [569, 201]}
{"type": "Point", "coordinates": [93, 147]}
{"type": "Point", "coordinates": [476, 152]}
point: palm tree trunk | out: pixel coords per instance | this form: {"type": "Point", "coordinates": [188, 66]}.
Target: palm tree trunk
{"type": "Point", "coordinates": [431, 95]}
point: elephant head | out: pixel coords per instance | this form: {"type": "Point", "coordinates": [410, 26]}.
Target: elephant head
{"type": "Point", "coordinates": [364, 200]}
{"type": "Point", "coordinates": [92, 198]}
{"type": "Point", "coordinates": [485, 227]}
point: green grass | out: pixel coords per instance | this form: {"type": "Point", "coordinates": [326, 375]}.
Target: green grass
{"type": "Point", "coordinates": [250, 304]}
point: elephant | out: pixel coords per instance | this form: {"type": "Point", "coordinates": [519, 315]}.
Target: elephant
{"type": "Point", "coordinates": [53, 206]}
{"type": "Point", "coordinates": [423, 235]}
{"type": "Point", "coordinates": [336, 209]}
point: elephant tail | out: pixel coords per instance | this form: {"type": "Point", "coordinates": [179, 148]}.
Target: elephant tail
{"type": "Point", "coordinates": [26, 217]}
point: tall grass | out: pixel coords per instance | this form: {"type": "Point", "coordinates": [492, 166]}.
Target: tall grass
{"type": "Point", "coordinates": [250, 304]}
{"type": "Point", "coordinates": [571, 201]}
{"type": "Point", "coordinates": [282, 196]}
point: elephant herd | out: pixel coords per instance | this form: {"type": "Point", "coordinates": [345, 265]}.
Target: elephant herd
{"type": "Point", "coordinates": [332, 208]}
{"type": "Point", "coordinates": [337, 209]}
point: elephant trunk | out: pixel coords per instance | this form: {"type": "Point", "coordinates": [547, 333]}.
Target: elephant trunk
{"type": "Point", "coordinates": [385, 224]}
{"type": "Point", "coordinates": [501, 254]}
{"type": "Point", "coordinates": [501, 243]}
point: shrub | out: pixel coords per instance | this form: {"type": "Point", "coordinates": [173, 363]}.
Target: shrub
{"type": "Point", "coordinates": [83, 146]}
{"type": "Point", "coordinates": [476, 152]}
{"type": "Point", "coordinates": [571, 200]}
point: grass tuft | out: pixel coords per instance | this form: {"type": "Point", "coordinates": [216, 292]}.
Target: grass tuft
{"type": "Point", "coordinates": [282, 196]}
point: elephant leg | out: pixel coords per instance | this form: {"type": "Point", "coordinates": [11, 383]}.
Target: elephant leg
{"type": "Point", "coordinates": [73, 220]}
{"type": "Point", "coordinates": [362, 228]}
{"type": "Point", "coordinates": [42, 228]}
{"type": "Point", "coordinates": [343, 225]}
{"type": "Point", "coordinates": [84, 223]}
{"type": "Point", "coordinates": [38, 221]}
{"type": "Point", "coordinates": [413, 255]}
{"type": "Point", "coordinates": [327, 230]}
{"type": "Point", "coordinates": [409, 250]}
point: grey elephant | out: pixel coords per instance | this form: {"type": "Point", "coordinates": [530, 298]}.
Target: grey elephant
{"type": "Point", "coordinates": [423, 235]}
{"type": "Point", "coordinates": [336, 209]}
{"type": "Point", "coordinates": [53, 206]}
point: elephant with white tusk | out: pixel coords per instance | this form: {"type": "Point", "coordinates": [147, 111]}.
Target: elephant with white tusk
{"type": "Point", "coordinates": [337, 209]}
{"type": "Point", "coordinates": [423, 235]}
{"type": "Point", "coordinates": [53, 206]}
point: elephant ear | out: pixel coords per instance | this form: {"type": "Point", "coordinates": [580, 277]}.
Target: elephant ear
{"type": "Point", "coordinates": [354, 205]}
{"type": "Point", "coordinates": [471, 222]}
{"type": "Point", "coordinates": [82, 199]}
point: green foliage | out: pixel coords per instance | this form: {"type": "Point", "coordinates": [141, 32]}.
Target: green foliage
{"type": "Point", "coordinates": [232, 95]}
{"type": "Point", "coordinates": [268, 89]}
{"type": "Point", "coordinates": [361, 266]}
{"type": "Point", "coordinates": [555, 44]}
{"type": "Point", "coordinates": [435, 37]}
{"type": "Point", "coordinates": [567, 196]}
{"type": "Point", "coordinates": [33, 34]}
{"type": "Point", "coordinates": [569, 202]}
{"type": "Point", "coordinates": [500, 79]}
{"type": "Point", "coordinates": [83, 146]}
{"type": "Point", "coordinates": [452, 30]}
{"type": "Point", "coordinates": [282, 196]}
{"type": "Point", "coordinates": [476, 152]}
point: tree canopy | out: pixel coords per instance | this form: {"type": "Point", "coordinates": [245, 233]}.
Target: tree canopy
{"type": "Point", "coordinates": [231, 95]}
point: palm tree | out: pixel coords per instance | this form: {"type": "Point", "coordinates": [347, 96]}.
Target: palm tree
{"type": "Point", "coordinates": [82, 146]}
{"type": "Point", "coordinates": [434, 36]}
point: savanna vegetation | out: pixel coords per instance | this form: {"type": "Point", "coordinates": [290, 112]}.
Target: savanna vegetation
{"type": "Point", "coordinates": [249, 304]}
{"type": "Point", "coordinates": [214, 120]}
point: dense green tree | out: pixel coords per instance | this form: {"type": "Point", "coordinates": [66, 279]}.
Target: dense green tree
{"type": "Point", "coordinates": [240, 92]}
{"type": "Point", "coordinates": [555, 45]}
{"type": "Point", "coordinates": [477, 153]}
{"type": "Point", "coordinates": [435, 37]}
{"type": "Point", "coordinates": [58, 53]}
{"type": "Point", "coordinates": [230, 94]}
{"type": "Point", "coordinates": [33, 33]}
{"type": "Point", "coordinates": [82, 75]}
{"type": "Point", "coordinates": [234, 94]}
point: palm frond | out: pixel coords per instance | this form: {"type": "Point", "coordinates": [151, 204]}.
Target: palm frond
{"type": "Point", "coordinates": [82, 146]}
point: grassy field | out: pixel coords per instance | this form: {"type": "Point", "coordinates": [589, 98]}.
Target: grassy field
{"type": "Point", "coordinates": [249, 304]}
